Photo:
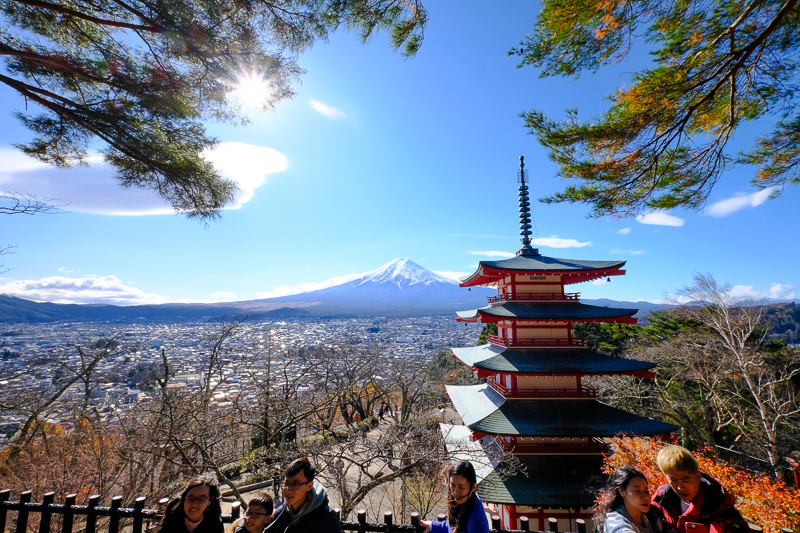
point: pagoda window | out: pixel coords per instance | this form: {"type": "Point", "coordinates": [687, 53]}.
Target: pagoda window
{"type": "Point", "coordinates": [543, 333]}
{"type": "Point", "coordinates": [546, 383]}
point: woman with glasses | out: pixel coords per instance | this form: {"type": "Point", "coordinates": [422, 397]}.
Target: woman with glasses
{"type": "Point", "coordinates": [258, 514]}
{"type": "Point", "coordinates": [197, 510]}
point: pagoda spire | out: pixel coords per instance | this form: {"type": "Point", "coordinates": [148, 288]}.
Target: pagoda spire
{"type": "Point", "coordinates": [524, 212]}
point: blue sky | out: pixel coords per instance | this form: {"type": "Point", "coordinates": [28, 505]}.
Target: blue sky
{"type": "Point", "coordinates": [379, 157]}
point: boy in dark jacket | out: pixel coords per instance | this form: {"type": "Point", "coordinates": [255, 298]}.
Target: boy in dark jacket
{"type": "Point", "coordinates": [692, 496]}
{"type": "Point", "coordinates": [306, 508]}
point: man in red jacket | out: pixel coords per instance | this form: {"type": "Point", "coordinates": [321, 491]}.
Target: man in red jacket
{"type": "Point", "coordinates": [692, 496]}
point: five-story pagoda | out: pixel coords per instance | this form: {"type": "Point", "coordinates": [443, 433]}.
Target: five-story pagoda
{"type": "Point", "coordinates": [533, 403]}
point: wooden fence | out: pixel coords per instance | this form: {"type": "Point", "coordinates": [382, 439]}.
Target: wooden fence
{"type": "Point", "coordinates": [68, 517]}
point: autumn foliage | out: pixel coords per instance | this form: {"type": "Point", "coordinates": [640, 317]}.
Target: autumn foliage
{"type": "Point", "coordinates": [762, 500]}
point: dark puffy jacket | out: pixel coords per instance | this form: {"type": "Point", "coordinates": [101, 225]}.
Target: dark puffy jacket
{"type": "Point", "coordinates": [315, 516]}
{"type": "Point", "coordinates": [713, 507]}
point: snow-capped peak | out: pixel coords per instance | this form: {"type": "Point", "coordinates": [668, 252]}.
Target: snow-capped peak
{"type": "Point", "coordinates": [404, 272]}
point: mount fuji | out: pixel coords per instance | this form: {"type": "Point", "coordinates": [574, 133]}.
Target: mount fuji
{"type": "Point", "coordinates": [401, 287]}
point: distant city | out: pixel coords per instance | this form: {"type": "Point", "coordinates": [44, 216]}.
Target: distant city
{"type": "Point", "coordinates": [125, 379]}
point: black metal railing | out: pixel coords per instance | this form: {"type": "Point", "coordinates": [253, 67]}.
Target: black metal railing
{"type": "Point", "coordinates": [94, 518]}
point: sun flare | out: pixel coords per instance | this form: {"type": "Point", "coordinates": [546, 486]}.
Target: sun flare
{"type": "Point", "coordinates": [251, 91]}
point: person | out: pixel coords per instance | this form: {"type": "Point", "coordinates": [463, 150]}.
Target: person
{"type": "Point", "coordinates": [258, 514]}
{"type": "Point", "coordinates": [693, 496]}
{"type": "Point", "coordinates": [465, 512]}
{"type": "Point", "coordinates": [306, 503]}
{"type": "Point", "coordinates": [197, 510]}
{"type": "Point", "coordinates": [624, 507]}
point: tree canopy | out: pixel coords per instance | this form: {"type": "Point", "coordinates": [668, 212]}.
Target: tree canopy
{"type": "Point", "coordinates": [141, 76]}
{"type": "Point", "coordinates": [663, 141]}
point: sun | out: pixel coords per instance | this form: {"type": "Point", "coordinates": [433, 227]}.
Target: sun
{"type": "Point", "coordinates": [251, 91]}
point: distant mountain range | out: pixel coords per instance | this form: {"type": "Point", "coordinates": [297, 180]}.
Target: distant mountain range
{"type": "Point", "coordinates": [399, 288]}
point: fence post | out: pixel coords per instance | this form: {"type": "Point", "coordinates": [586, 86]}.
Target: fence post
{"type": "Point", "coordinates": [580, 525]}
{"type": "Point", "coordinates": [552, 525]}
{"type": "Point", "coordinates": [22, 514]}
{"type": "Point", "coordinates": [4, 495]}
{"type": "Point", "coordinates": [415, 520]}
{"type": "Point", "coordinates": [44, 523]}
{"type": "Point", "coordinates": [113, 519]}
{"type": "Point", "coordinates": [387, 518]}
{"type": "Point", "coordinates": [362, 519]}
{"type": "Point", "coordinates": [236, 510]}
{"type": "Point", "coordinates": [338, 511]}
{"type": "Point", "coordinates": [69, 515]}
{"type": "Point", "coordinates": [138, 505]}
{"type": "Point", "coordinates": [495, 521]}
{"type": "Point", "coordinates": [91, 514]}
{"type": "Point", "coordinates": [523, 523]}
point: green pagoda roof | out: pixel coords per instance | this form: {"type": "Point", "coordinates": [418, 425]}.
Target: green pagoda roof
{"type": "Point", "coordinates": [542, 263]}
{"type": "Point", "coordinates": [486, 411]}
{"type": "Point", "coordinates": [548, 361]}
{"type": "Point", "coordinates": [547, 481]}
{"type": "Point", "coordinates": [575, 270]}
{"type": "Point", "coordinates": [571, 311]}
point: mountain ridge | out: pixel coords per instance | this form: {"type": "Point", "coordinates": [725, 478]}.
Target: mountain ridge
{"type": "Point", "coordinates": [398, 288]}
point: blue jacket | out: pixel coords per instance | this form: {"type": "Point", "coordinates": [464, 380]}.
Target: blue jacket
{"type": "Point", "coordinates": [477, 522]}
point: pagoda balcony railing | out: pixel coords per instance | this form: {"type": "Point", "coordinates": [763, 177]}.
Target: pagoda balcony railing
{"type": "Point", "coordinates": [583, 392]}
{"type": "Point", "coordinates": [553, 447]}
{"type": "Point", "coordinates": [500, 341]}
{"type": "Point", "coordinates": [534, 297]}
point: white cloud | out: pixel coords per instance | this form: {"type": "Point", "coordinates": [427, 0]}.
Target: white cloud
{"type": "Point", "coordinates": [724, 208]}
{"type": "Point", "coordinates": [88, 290]}
{"type": "Point", "coordinates": [601, 281]}
{"type": "Point", "coordinates": [494, 253]}
{"type": "Point", "coordinates": [660, 219]}
{"type": "Point", "coordinates": [624, 231]}
{"type": "Point", "coordinates": [556, 242]}
{"type": "Point", "coordinates": [618, 251]}
{"type": "Point", "coordinates": [328, 111]}
{"type": "Point", "coordinates": [65, 270]}
{"type": "Point", "coordinates": [94, 189]}
{"type": "Point", "coordinates": [223, 295]}
{"type": "Point", "coordinates": [286, 290]}
{"type": "Point", "coordinates": [455, 276]}
{"type": "Point", "coordinates": [777, 291]}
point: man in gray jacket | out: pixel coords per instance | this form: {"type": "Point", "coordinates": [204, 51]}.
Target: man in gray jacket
{"type": "Point", "coordinates": [306, 503]}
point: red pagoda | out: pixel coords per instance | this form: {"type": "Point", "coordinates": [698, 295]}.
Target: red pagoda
{"type": "Point", "coordinates": [533, 403]}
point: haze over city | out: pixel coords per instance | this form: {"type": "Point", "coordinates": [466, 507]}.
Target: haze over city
{"type": "Point", "coordinates": [379, 157]}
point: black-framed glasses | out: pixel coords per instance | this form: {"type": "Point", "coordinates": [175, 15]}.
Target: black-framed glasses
{"type": "Point", "coordinates": [294, 485]}
{"type": "Point", "coordinates": [255, 514]}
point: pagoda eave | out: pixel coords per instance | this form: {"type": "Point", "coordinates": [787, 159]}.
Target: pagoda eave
{"type": "Point", "coordinates": [547, 481]}
{"type": "Point", "coordinates": [486, 275]}
{"type": "Point", "coordinates": [548, 312]}
{"type": "Point", "coordinates": [549, 361]}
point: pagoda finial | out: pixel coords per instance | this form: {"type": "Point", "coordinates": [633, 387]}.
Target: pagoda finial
{"type": "Point", "coordinates": [524, 212]}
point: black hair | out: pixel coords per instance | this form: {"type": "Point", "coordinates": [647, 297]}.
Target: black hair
{"type": "Point", "coordinates": [262, 499]}
{"type": "Point", "coordinates": [611, 497]}
{"type": "Point", "coordinates": [301, 465]}
{"type": "Point", "coordinates": [458, 515]}
{"type": "Point", "coordinates": [174, 513]}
